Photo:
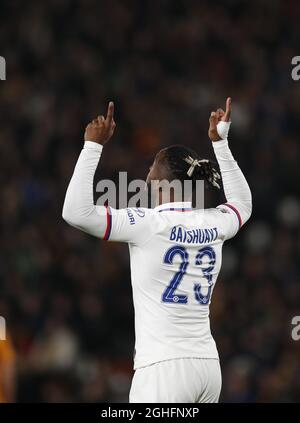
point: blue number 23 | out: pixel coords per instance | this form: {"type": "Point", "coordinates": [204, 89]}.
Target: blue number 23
{"type": "Point", "coordinates": [169, 295]}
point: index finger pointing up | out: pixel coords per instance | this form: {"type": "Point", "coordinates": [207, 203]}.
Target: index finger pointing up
{"type": "Point", "coordinates": [226, 117]}
{"type": "Point", "coordinates": [110, 112]}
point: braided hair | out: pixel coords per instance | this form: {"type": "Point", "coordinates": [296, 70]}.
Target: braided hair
{"type": "Point", "coordinates": [184, 164]}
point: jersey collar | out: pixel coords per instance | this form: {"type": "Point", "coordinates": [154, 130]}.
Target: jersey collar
{"type": "Point", "coordinates": [180, 206]}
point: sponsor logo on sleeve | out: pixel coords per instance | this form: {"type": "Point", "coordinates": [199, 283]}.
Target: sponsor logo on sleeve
{"type": "Point", "coordinates": [139, 212]}
{"type": "Point", "coordinates": [130, 217]}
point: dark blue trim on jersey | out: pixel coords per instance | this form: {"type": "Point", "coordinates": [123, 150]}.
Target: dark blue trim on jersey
{"type": "Point", "coordinates": [176, 209]}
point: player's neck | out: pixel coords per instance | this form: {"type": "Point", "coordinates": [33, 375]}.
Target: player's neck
{"type": "Point", "coordinates": [171, 198]}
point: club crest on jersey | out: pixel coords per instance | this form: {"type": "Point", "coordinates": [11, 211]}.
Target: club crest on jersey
{"type": "Point", "coordinates": [193, 236]}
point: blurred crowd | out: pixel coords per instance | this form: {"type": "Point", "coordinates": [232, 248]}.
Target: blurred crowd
{"type": "Point", "coordinates": [66, 297]}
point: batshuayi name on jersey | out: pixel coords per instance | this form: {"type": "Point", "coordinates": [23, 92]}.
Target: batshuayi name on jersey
{"type": "Point", "coordinates": [193, 236]}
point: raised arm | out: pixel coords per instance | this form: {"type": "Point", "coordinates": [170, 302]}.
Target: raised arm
{"type": "Point", "coordinates": [127, 225]}
{"type": "Point", "coordinates": [79, 209]}
{"type": "Point", "coordinates": [236, 188]}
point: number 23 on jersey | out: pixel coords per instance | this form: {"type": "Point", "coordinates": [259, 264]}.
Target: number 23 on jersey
{"type": "Point", "coordinates": [169, 295]}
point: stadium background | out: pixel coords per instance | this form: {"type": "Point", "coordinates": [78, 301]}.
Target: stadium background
{"type": "Point", "coordinates": [166, 64]}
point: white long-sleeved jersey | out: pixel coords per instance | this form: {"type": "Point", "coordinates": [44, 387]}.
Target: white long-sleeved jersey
{"type": "Point", "coordinates": [175, 256]}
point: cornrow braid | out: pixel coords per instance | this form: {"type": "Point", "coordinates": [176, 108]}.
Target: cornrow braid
{"type": "Point", "coordinates": [184, 163]}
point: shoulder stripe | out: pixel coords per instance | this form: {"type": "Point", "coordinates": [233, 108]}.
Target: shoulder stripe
{"type": "Point", "coordinates": [236, 212]}
{"type": "Point", "coordinates": [108, 224]}
{"type": "Point", "coordinates": [177, 210]}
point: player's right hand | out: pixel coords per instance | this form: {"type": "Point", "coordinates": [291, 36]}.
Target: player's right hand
{"type": "Point", "coordinates": [101, 129]}
{"type": "Point", "coordinates": [219, 123]}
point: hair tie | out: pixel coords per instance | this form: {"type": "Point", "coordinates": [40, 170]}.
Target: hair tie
{"type": "Point", "coordinates": [195, 162]}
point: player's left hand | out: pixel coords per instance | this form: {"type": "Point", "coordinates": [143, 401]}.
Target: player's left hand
{"type": "Point", "coordinates": [215, 131]}
{"type": "Point", "coordinates": [101, 129]}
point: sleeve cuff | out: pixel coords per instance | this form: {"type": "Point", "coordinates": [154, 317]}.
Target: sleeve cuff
{"type": "Point", "coordinates": [91, 145]}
